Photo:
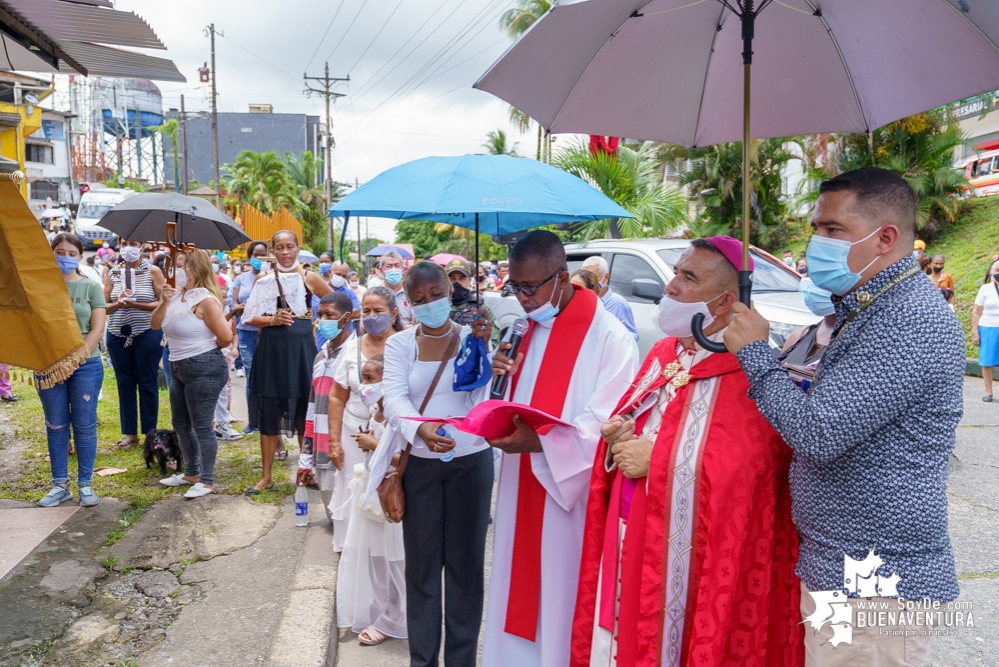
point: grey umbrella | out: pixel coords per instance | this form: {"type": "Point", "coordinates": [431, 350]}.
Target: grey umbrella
{"type": "Point", "coordinates": [145, 218]}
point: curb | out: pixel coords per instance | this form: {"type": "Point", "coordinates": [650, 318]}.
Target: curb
{"type": "Point", "coordinates": [972, 367]}
{"type": "Point", "coordinates": [307, 636]}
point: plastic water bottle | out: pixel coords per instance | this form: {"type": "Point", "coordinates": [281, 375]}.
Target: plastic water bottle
{"type": "Point", "coordinates": [446, 432]}
{"type": "Point", "coordinates": [301, 506]}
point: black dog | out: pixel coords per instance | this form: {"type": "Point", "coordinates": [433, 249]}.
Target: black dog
{"type": "Point", "coordinates": [161, 444]}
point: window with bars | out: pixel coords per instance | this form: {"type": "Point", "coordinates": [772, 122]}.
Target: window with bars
{"type": "Point", "coordinates": [43, 189]}
{"type": "Point", "coordinates": [38, 153]}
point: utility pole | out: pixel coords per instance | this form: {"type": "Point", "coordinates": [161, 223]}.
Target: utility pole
{"type": "Point", "coordinates": [328, 94]}
{"type": "Point", "coordinates": [357, 184]}
{"type": "Point", "coordinates": [183, 145]}
{"type": "Point", "coordinates": [215, 119]}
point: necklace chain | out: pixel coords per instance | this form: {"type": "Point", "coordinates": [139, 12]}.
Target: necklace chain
{"type": "Point", "coordinates": [424, 333]}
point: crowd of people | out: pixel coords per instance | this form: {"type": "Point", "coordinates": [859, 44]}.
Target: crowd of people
{"type": "Point", "coordinates": [688, 508]}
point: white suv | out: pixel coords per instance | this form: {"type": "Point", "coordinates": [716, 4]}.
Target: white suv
{"type": "Point", "coordinates": [775, 286]}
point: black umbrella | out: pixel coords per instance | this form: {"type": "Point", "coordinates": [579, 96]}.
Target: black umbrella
{"type": "Point", "coordinates": [182, 222]}
{"type": "Point", "coordinates": [145, 217]}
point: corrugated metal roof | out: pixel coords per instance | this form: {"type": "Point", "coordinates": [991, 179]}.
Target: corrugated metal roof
{"type": "Point", "coordinates": [108, 61]}
{"type": "Point", "coordinates": [82, 29]}
{"type": "Point", "coordinates": [63, 21]}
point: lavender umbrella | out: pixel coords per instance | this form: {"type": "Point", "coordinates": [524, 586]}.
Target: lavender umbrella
{"type": "Point", "coordinates": [666, 70]}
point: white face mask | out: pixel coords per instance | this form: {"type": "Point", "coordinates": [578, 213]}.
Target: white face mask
{"type": "Point", "coordinates": [355, 284]}
{"type": "Point", "coordinates": [337, 281]}
{"type": "Point", "coordinates": [237, 270]}
{"type": "Point", "coordinates": [370, 393]}
{"type": "Point", "coordinates": [180, 278]}
{"type": "Point", "coordinates": [674, 316]}
{"type": "Point", "coordinates": [131, 253]}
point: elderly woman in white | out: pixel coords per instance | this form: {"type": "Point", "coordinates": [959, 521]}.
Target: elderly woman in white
{"type": "Point", "coordinates": [447, 481]}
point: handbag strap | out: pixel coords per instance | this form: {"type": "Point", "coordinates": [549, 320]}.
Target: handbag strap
{"type": "Point", "coordinates": [430, 392]}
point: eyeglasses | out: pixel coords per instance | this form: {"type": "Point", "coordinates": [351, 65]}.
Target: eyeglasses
{"type": "Point", "coordinates": [530, 290]}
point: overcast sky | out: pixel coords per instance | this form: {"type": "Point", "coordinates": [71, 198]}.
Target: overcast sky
{"type": "Point", "coordinates": [411, 65]}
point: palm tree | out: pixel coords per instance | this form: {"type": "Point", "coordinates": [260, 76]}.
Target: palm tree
{"type": "Point", "coordinates": [714, 176]}
{"type": "Point", "coordinates": [631, 178]}
{"type": "Point", "coordinates": [518, 19]}
{"type": "Point", "coordinates": [304, 173]}
{"type": "Point", "coordinates": [496, 144]}
{"type": "Point", "coordinates": [259, 179]}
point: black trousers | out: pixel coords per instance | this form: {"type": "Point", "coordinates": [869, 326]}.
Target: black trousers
{"type": "Point", "coordinates": [444, 528]}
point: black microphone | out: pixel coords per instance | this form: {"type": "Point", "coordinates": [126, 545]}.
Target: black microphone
{"type": "Point", "coordinates": [514, 337]}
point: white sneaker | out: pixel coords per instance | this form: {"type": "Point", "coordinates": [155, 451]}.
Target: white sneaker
{"type": "Point", "coordinates": [226, 433]}
{"type": "Point", "coordinates": [198, 490]}
{"type": "Point", "coordinates": [240, 373]}
{"type": "Point", "coordinates": [174, 480]}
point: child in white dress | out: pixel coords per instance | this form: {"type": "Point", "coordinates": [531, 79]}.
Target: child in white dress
{"type": "Point", "coordinates": [371, 582]}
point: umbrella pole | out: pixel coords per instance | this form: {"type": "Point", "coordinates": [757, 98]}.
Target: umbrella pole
{"type": "Point", "coordinates": [748, 18]}
{"type": "Point", "coordinates": [748, 29]}
{"type": "Point", "coordinates": [477, 287]}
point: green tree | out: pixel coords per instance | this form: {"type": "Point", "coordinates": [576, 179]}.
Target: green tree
{"type": "Point", "coordinates": [517, 20]}
{"type": "Point", "coordinates": [631, 178]}
{"type": "Point", "coordinates": [496, 144]}
{"type": "Point", "coordinates": [260, 179]}
{"type": "Point", "coordinates": [921, 150]}
{"type": "Point", "coordinates": [423, 236]}
{"type": "Point", "coordinates": [304, 173]}
{"type": "Point", "coordinates": [714, 177]}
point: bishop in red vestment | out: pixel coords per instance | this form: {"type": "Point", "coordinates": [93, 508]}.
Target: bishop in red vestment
{"type": "Point", "coordinates": [689, 547]}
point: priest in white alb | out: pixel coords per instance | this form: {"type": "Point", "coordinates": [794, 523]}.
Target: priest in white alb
{"type": "Point", "coordinates": [574, 363]}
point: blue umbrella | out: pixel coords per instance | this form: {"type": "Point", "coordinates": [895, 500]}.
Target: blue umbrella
{"type": "Point", "coordinates": [492, 194]}
{"type": "Point", "coordinates": [381, 250]}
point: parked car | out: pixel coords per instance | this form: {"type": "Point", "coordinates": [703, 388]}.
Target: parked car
{"type": "Point", "coordinates": [93, 205]}
{"type": "Point", "coordinates": [640, 270]}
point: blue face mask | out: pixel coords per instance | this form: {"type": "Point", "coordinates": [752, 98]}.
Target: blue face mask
{"type": "Point", "coordinates": [393, 276]}
{"type": "Point", "coordinates": [324, 268]}
{"type": "Point", "coordinates": [330, 329]}
{"type": "Point", "coordinates": [816, 299]}
{"type": "Point", "coordinates": [256, 263]}
{"type": "Point", "coordinates": [433, 314]}
{"type": "Point", "coordinates": [547, 311]}
{"type": "Point", "coordinates": [67, 264]}
{"type": "Point", "coordinates": [216, 267]}
{"type": "Point", "coordinates": [827, 263]}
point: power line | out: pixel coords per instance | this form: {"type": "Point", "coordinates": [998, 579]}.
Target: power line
{"type": "Point", "coordinates": [413, 82]}
{"type": "Point", "coordinates": [347, 31]}
{"type": "Point", "coordinates": [367, 86]}
{"type": "Point", "coordinates": [365, 52]}
{"type": "Point", "coordinates": [258, 57]}
{"type": "Point", "coordinates": [319, 45]}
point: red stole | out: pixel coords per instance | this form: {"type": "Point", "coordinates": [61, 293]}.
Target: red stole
{"type": "Point", "coordinates": [741, 584]}
{"type": "Point", "coordinates": [552, 384]}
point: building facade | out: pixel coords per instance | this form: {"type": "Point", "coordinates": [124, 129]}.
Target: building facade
{"type": "Point", "coordinates": [258, 131]}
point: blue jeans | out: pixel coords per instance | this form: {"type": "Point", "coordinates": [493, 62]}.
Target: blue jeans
{"type": "Point", "coordinates": [136, 368]}
{"type": "Point", "coordinates": [166, 365]}
{"type": "Point", "coordinates": [247, 346]}
{"type": "Point", "coordinates": [194, 391]}
{"type": "Point", "coordinates": [73, 402]}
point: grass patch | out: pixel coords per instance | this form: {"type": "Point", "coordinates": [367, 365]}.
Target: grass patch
{"type": "Point", "coordinates": [968, 244]}
{"type": "Point", "coordinates": [978, 575]}
{"type": "Point", "coordinates": [111, 561]}
{"type": "Point", "coordinates": [234, 466]}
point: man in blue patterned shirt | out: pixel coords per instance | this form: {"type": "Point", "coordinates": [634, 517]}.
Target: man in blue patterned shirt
{"type": "Point", "coordinates": [871, 441]}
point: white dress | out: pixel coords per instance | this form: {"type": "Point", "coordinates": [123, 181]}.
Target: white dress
{"type": "Point", "coordinates": [371, 576]}
{"type": "Point", "coordinates": [355, 414]}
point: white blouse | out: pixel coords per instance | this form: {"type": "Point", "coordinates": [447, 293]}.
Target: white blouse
{"type": "Point", "coordinates": [263, 298]}
{"type": "Point", "coordinates": [405, 381]}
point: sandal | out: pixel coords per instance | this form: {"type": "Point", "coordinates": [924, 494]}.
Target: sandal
{"type": "Point", "coordinates": [281, 456]}
{"type": "Point", "coordinates": [125, 443]}
{"type": "Point", "coordinates": [370, 636]}
{"type": "Point", "coordinates": [253, 491]}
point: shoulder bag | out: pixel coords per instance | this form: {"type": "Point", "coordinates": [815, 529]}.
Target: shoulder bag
{"type": "Point", "coordinates": [390, 491]}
